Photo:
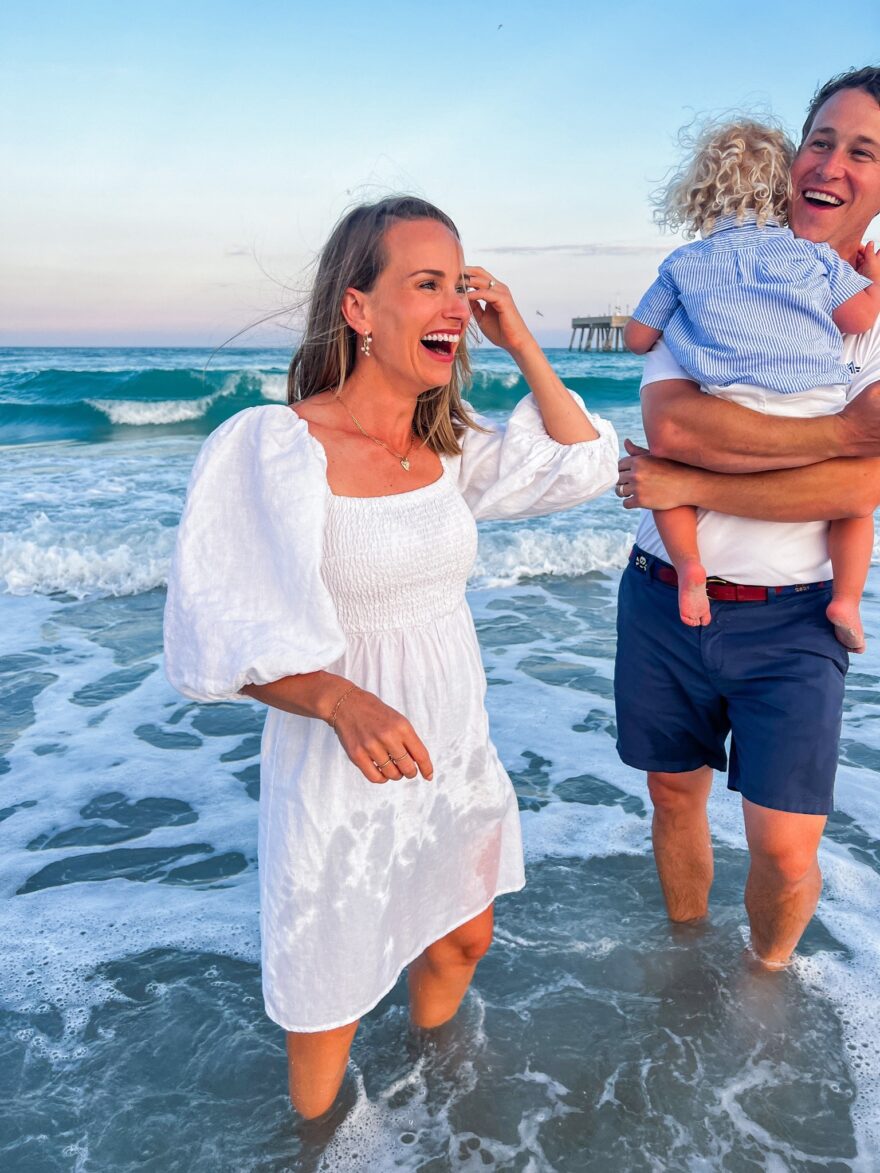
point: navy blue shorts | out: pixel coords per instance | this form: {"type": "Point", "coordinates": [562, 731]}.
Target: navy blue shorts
{"type": "Point", "coordinates": [770, 673]}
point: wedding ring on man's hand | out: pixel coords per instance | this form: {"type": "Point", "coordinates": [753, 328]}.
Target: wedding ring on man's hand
{"type": "Point", "coordinates": [619, 490]}
{"type": "Point", "coordinates": [492, 282]}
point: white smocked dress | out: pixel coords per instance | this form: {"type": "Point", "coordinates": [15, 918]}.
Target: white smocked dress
{"type": "Point", "coordinates": [275, 575]}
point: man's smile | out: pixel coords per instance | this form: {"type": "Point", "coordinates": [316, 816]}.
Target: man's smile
{"type": "Point", "coordinates": [818, 197]}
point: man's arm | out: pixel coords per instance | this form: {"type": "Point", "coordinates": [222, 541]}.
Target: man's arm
{"type": "Point", "coordinates": [686, 425]}
{"type": "Point", "coordinates": [821, 492]}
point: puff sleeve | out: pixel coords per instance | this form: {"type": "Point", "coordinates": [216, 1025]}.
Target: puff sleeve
{"type": "Point", "coordinates": [246, 602]}
{"type": "Point", "coordinates": [518, 471]}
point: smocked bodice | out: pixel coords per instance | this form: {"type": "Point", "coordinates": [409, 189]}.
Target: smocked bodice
{"type": "Point", "coordinates": [398, 561]}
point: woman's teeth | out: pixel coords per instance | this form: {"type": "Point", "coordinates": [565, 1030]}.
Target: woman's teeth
{"type": "Point", "coordinates": [441, 342]}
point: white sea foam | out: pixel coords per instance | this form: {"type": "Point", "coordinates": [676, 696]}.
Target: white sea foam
{"type": "Point", "coordinates": [138, 413]}
{"type": "Point", "coordinates": [397, 1128]}
{"type": "Point", "coordinates": [100, 521]}
{"type": "Point", "coordinates": [508, 554]}
{"type": "Point", "coordinates": [274, 387]}
{"type": "Point", "coordinates": [506, 379]}
{"type": "Point", "coordinates": [103, 521]}
{"type": "Point", "coordinates": [64, 933]}
{"type": "Point", "coordinates": [27, 567]}
{"type": "Point", "coordinates": [105, 525]}
{"type": "Point", "coordinates": [48, 559]}
{"type": "Point", "coordinates": [141, 413]}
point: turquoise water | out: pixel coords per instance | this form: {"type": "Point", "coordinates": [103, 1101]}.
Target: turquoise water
{"type": "Point", "coordinates": [132, 1035]}
{"type": "Point", "coordinates": [98, 395]}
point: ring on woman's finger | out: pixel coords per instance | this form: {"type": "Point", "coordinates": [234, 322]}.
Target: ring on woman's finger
{"type": "Point", "coordinates": [382, 765]}
{"type": "Point", "coordinates": [405, 754]}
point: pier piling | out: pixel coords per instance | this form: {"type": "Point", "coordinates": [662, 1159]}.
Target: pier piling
{"type": "Point", "coordinates": [598, 333]}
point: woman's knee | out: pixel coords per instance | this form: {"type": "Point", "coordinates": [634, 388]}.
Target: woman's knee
{"type": "Point", "coordinates": [475, 946]}
{"type": "Point", "coordinates": [463, 946]}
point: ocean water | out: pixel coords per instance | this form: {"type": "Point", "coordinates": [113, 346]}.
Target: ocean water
{"type": "Point", "coordinates": [596, 1036]}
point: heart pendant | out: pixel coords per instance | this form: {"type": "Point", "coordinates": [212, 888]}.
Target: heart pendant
{"type": "Point", "coordinates": [404, 464]}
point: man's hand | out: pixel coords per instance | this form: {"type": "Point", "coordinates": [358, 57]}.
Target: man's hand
{"type": "Point", "coordinates": [860, 424]}
{"type": "Point", "coordinates": [648, 482]}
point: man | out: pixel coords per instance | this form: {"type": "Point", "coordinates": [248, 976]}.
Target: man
{"type": "Point", "coordinates": [768, 667]}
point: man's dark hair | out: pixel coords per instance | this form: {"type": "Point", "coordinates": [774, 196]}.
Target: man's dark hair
{"type": "Point", "coordinates": [867, 79]}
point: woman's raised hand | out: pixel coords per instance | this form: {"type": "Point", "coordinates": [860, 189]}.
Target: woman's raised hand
{"type": "Point", "coordinates": [379, 740]}
{"type": "Point", "coordinates": [494, 310]}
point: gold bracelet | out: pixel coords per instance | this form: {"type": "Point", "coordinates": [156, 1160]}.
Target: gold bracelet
{"type": "Point", "coordinates": [331, 721]}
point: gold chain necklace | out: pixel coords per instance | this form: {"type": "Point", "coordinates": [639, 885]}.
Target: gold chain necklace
{"type": "Point", "coordinates": [403, 457]}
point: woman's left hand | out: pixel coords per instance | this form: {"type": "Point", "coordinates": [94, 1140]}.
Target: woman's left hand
{"type": "Point", "coordinates": [493, 308]}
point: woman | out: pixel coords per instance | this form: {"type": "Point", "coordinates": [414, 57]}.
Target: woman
{"type": "Point", "coordinates": [321, 568]}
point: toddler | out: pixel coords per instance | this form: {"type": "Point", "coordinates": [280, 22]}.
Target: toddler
{"type": "Point", "coordinates": [755, 315]}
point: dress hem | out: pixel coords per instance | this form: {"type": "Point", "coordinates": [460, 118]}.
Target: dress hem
{"type": "Point", "coordinates": [308, 1030]}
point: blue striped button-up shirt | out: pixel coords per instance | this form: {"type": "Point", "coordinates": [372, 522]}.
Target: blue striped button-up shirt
{"type": "Point", "coordinates": [753, 305]}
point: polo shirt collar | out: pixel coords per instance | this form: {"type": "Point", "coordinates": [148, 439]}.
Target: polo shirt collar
{"type": "Point", "coordinates": [748, 221]}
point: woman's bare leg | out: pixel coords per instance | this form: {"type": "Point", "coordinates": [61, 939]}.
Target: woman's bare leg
{"type": "Point", "coordinates": [316, 1064]}
{"type": "Point", "coordinates": [439, 978]}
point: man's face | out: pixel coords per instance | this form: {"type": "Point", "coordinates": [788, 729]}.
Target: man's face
{"type": "Point", "coordinates": [835, 177]}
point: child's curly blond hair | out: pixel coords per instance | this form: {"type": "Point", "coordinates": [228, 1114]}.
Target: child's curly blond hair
{"type": "Point", "coordinates": [730, 168]}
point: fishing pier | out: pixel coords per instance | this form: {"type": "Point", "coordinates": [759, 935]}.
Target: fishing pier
{"type": "Point", "coordinates": [602, 333]}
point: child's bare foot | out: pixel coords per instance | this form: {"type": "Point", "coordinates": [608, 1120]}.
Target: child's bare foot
{"type": "Point", "coordinates": [693, 602]}
{"type": "Point", "coordinates": [844, 615]}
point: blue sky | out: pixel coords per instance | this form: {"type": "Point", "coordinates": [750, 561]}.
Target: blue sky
{"type": "Point", "coordinates": [172, 168]}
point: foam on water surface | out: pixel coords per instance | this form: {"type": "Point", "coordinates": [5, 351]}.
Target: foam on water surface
{"type": "Point", "coordinates": [580, 808]}
{"type": "Point", "coordinates": [93, 520]}
{"type": "Point", "coordinates": [595, 1036]}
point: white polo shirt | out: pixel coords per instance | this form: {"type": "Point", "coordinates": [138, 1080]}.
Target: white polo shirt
{"type": "Point", "coordinates": [764, 553]}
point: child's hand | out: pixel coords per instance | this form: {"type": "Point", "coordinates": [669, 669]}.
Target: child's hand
{"type": "Point", "coordinates": [868, 261]}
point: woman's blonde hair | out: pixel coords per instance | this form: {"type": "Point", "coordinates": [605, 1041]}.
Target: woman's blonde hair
{"type": "Point", "coordinates": [729, 169]}
{"type": "Point", "coordinates": [354, 257]}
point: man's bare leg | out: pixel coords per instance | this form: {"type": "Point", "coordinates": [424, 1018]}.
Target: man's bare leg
{"type": "Point", "coordinates": [784, 882]}
{"type": "Point", "coordinates": [682, 844]}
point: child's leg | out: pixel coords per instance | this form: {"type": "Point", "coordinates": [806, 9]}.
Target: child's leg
{"type": "Point", "coordinates": [678, 529]}
{"type": "Point", "coordinates": [850, 544]}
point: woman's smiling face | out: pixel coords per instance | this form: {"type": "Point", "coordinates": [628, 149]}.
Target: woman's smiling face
{"type": "Point", "coordinates": [835, 177]}
{"type": "Point", "coordinates": [418, 309]}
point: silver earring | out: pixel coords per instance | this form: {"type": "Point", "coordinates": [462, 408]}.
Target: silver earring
{"type": "Point", "coordinates": [366, 343]}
